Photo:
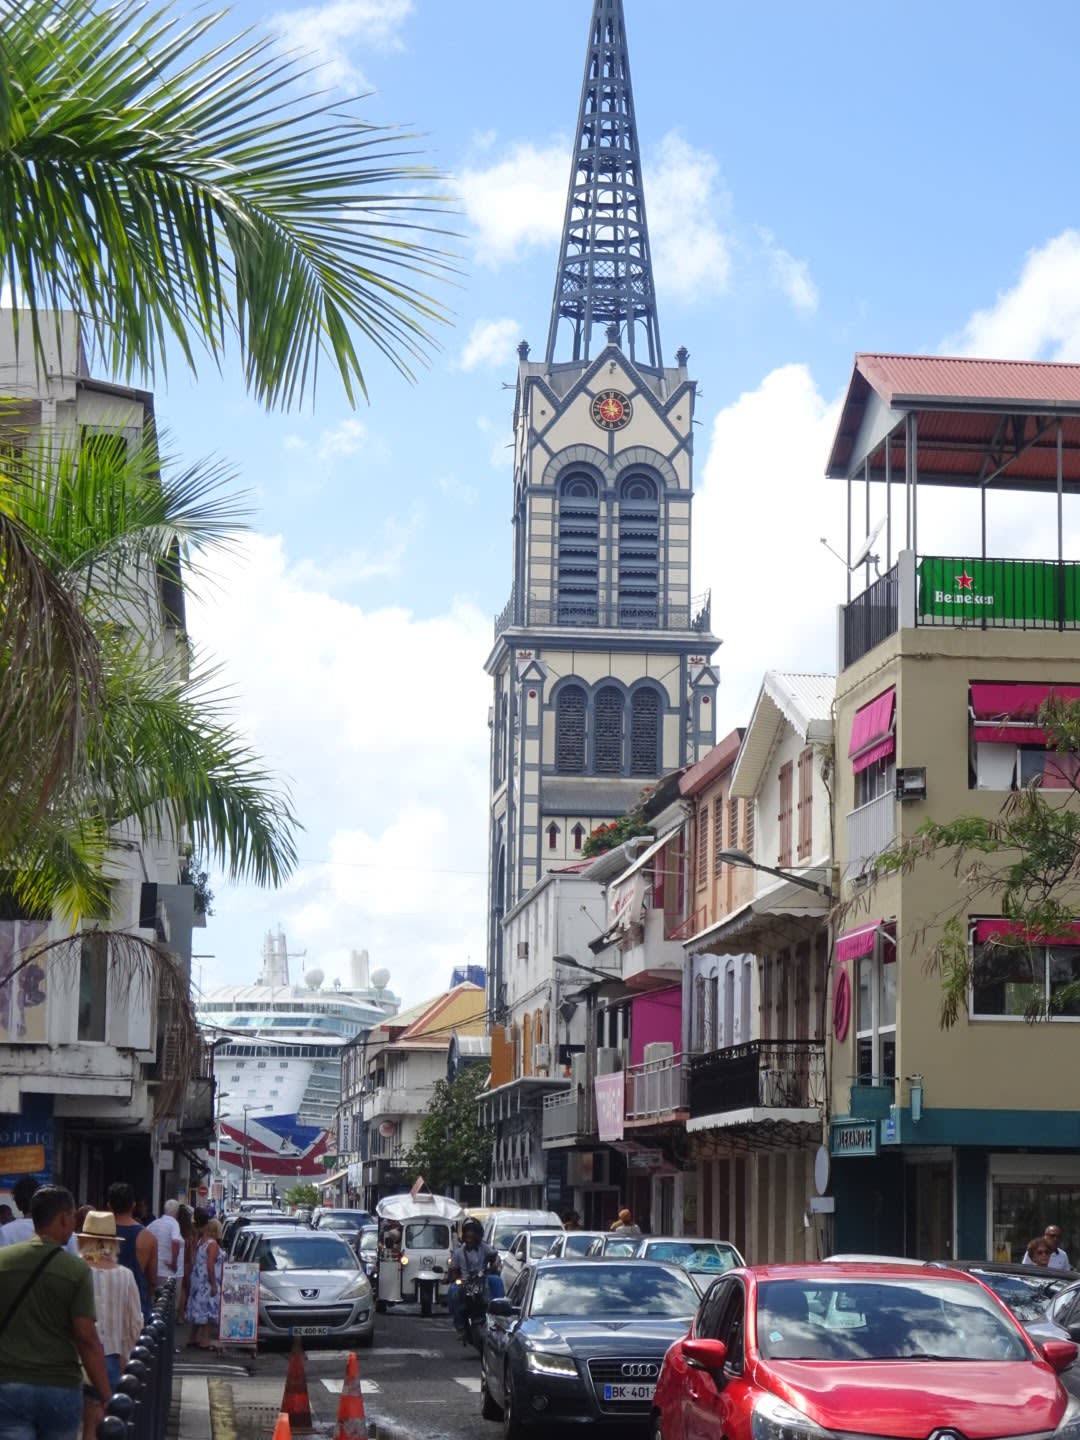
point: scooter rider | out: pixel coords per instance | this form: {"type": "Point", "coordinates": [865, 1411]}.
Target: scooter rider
{"type": "Point", "coordinates": [472, 1257]}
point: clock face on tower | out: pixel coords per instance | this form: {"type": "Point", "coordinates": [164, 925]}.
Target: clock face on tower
{"type": "Point", "coordinates": [611, 410]}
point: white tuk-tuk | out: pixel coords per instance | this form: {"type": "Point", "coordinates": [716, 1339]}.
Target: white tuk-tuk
{"type": "Point", "coordinates": [416, 1235]}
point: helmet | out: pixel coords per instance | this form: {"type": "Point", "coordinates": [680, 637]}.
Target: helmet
{"type": "Point", "coordinates": [473, 1225]}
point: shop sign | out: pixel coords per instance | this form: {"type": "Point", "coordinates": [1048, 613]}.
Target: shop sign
{"type": "Point", "coordinates": [239, 1309]}
{"type": "Point", "coordinates": [610, 1093]}
{"type": "Point", "coordinates": [644, 1159]}
{"type": "Point", "coordinates": [998, 591]}
{"type": "Point", "coordinates": [853, 1137]}
{"type": "Point", "coordinates": [26, 1142]}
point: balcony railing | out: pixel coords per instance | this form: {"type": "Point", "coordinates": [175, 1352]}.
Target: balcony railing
{"type": "Point", "coordinates": [625, 614]}
{"type": "Point", "coordinates": [567, 1114]}
{"type": "Point", "coordinates": [872, 616]}
{"type": "Point", "coordinates": [870, 829]}
{"type": "Point", "coordinates": [970, 592]}
{"type": "Point", "coordinates": [656, 1088]}
{"type": "Point", "coordinates": [763, 1074]}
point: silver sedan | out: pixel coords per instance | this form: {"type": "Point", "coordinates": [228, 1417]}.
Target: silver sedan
{"type": "Point", "coordinates": [312, 1284]}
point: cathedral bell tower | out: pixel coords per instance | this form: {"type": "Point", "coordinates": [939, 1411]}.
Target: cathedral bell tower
{"type": "Point", "coordinates": [601, 664]}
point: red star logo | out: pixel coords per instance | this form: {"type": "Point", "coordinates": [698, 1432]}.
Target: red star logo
{"type": "Point", "coordinates": [965, 581]}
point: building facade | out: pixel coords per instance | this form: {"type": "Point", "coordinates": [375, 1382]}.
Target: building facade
{"type": "Point", "coordinates": [601, 667]}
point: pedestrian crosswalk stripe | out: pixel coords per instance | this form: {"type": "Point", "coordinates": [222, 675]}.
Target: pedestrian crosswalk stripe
{"type": "Point", "coordinates": [367, 1387]}
{"type": "Point", "coordinates": [469, 1382]}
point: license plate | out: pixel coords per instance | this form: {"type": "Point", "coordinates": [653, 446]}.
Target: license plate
{"type": "Point", "coordinates": [629, 1392]}
{"type": "Point", "coordinates": [309, 1329]}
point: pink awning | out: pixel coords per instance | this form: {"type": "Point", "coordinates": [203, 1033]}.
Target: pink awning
{"type": "Point", "coordinates": [993, 705]}
{"type": "Point", "coordinates": [991, 929]}
{"type": "Point", "coordinates": [872, 734]}
{"type": "Point", "coordinates": [858, 943]}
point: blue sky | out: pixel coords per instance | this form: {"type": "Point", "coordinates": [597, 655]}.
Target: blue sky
{"type": "Point", "coordinates": [820, 180]}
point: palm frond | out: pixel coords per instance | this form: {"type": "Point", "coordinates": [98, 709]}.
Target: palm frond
{"type": "Point", "coordinates": [190, 191]}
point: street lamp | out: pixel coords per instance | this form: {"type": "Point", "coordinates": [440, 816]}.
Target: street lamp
{"type": "Point", "coordinates": [747, 862]}
{"type": "Point", "coordinates": [589, 969]}
{"type": "Point", "coordinates": [247, 1148]}
{"type": "Point", "coordinates": [221, 1095]}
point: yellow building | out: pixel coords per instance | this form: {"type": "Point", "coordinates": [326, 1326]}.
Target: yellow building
{"type": "Point", "coordinates": [959, 1142]}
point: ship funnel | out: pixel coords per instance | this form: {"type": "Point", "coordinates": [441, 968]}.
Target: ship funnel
{"type": "Point", "coordinates": [359, 969]}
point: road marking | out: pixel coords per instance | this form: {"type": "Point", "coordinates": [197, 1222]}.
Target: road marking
{"type": "Point", "coordinates": [367, 1387]}
{"type": "Point", "coordinates": [469, 1382]}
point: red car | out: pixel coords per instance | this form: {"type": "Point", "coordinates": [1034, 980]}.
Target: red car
{"type": "Point", "coordinates": [808, 1352]}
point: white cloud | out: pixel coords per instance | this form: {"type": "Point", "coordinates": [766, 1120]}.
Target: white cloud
{"type": "Point", "coordinates": [379, 719]}
{"type": "Point", "coordinates": [457, 490]}
{"type": "Point", "coordinates": [686, 202]}
{"type": "Point", "coordinates": [490, 342]}
{"type": "Point", "coordinates": [343, 439]}
{"type": "Point", "coordinates": [325, 33]}
{"type": "Point", "coordinates": [363, 562]}
{"type": "Point", "coordinates": [790, 276]}
{"type": "Point", "coordinates": [760, 511]}
{"type": "Point", "coordinates": [294, 442]}
{"type": "Point", "coordinates": [516, 204]}
{"type": "Point", "coordinates": [1039, 318]}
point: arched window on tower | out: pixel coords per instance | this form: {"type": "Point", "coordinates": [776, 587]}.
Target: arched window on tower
{"type": "Point", "coordinates": [553, 836]}
{"type": "Point", "coordinates": [608, 729]}
{"type": "Point", "coordinates": [570, 731]}
{"type": "Point", "coordinates": [645, 755]}
{"type": "Point", "coordinates": [578, 833]}
{"type": "Point", "coordinates": [639, 553]}
{"type": "Point", "coordinates": [578, 575]}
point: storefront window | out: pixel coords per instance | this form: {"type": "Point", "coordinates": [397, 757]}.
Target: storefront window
{"type": "Point", "coordinates": [1022, 1211]}
{"type": "Point", "coordinates": [875, 1018]}
{"type": "Point", "coordinates": [1019, 982]}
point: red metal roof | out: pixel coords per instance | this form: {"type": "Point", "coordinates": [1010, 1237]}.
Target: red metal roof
{"type": "Point", "coordinates": [975, 417]}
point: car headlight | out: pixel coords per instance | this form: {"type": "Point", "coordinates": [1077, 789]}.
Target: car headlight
{"type": "Point", "coordinates": [775, 1419]}
{"type": "Point", "coordinates": [359, 1287]}
{"type": "Point", "coordinates": [546, 1362]}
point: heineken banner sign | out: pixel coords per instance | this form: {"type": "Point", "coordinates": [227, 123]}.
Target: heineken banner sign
{"type": "Point", "coordinates": [998, 592]}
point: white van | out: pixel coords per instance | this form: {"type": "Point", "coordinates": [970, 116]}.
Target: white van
{"type": "Point", "coordinates": [501, 1226]}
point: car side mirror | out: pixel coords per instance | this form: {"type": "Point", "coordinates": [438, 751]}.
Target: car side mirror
{"type": "Point", "coordinates": [1074, 1330]}
{"type": "Point", "coordinates": [1059, 1354]}
{"type": "Point", "coordinates": [502, 1307]}
{"type": "Point", "coordinates": [705, 1354]}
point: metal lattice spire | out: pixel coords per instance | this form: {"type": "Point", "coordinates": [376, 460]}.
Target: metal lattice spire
{"type": "Point", "coordinates": [605, 269]}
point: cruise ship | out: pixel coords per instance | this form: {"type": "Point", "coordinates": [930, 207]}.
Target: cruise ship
{"type": "Point", "coordinates": [277, 1063]}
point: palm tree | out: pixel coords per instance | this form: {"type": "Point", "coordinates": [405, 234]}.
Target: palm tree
{"type": "Point", "coordinates": [168, 183]}
{"type": "Point", "coordinates": [109, 524]}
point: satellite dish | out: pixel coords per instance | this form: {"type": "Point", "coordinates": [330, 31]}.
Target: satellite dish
{"type": "Point", "coordinates": [313, 979]}
{"type": "Point", "coordinates": [863, 552]}
{"type": "Point", "coordinates": [380, 979]}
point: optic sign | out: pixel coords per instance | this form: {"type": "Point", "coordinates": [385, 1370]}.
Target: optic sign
{"type": "Point", "coordinates": [853, 1137]}
{"type": "Point", "coordinates": [997, 590]}
{"type": "Point", "coordinates": [610, 1092]}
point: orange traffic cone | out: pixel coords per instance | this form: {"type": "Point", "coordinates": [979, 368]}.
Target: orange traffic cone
{"type": "Point", "coordinates": [295, 1403]}
{"type": "Point", "coordinates": [282, 1428]}
{"type": "Point", "coordinates": [351, 1421]}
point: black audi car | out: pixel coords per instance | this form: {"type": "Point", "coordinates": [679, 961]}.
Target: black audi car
{"type": "Point", "coordinates": [582, 1342]}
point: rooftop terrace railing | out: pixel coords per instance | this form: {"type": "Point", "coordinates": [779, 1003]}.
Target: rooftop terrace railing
{"type": "Point", "coordinates": [629, 613]}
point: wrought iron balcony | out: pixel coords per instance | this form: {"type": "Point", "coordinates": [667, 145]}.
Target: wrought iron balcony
{"type": "Point", "coordinates": [629, 613]}
{"type": "Point", "coordinates": [762, 1074]}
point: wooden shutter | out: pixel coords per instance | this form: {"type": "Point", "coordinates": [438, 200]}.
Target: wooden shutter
{"type": "Point", "coordinates": [702, 844]}
{"type": "Point", "coordinates": [784, 817]}
{"type": "Point", "coordinates": [748, 826]}
{"type": "Point", "coordinates": [806, 804]}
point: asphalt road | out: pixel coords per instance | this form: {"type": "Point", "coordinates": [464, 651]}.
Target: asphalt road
{"type": "Point", "coordinates": [418, 1380]}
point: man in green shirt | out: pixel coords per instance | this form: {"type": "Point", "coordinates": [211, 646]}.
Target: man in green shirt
{"type": "Point", "coordinates": [47, 1330]}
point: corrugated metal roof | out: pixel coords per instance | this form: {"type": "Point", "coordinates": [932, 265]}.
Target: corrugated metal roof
{"type": "Point", "coordinates": [803, 700]}
{"type": "Point", "coordinates": [811, 694]}
{"type": "Point", "coordinates": [584, 796]}
{"type": "Point", "coordinates": [974, 417]}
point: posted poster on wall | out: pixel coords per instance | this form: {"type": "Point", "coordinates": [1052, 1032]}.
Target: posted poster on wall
{"type": "Point", "coordinates": [239, 1305]}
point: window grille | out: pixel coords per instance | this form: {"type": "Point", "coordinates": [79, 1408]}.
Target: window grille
{"type": "Point", "coordinates": [645, 733]}
{"type": "Point", "coordinates": [608, 759]}
{"type": "Point", "coordinates": [578, 574]}
{"type": "Point", "coordinates": [570, 731]}
{"type": "Point", "coordinates": [639, 553]}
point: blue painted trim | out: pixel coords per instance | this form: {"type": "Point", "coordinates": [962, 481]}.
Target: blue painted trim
{"type": "Point", "coordinates": [988, 1129]}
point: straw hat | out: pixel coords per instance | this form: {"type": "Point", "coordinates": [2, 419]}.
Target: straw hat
{"type": "Point", "coordinates": [99, 1225]}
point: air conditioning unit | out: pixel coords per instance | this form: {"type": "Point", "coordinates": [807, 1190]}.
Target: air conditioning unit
{"type": "Point", "coordinates": [541, 1057]}
{"type": "Point", "coordinates": [577, 1070]}
{"type": "Point", "coordinates": [608, 1060]}
{"type": "Point", "coordinates": [658, 1050]}
{"type": "Point", "coordinates": [522, 951]}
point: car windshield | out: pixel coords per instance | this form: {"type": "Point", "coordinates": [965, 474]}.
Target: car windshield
{"type": "Point", "coordinates": [343, 1220]}
{"type": "Point", "coordinates": [631, 1290]}
{"type": "Point", "coordinates": [882, 1319]}
{"type": "Point", "coordinates": [304, 1252]}
{"type": "Point", "coordinates": [577, 1244]}
{"type": "Point", "coordinates": [616, 1247]}
{"type": "Point", "coordinates": [700, 1256]}
{"type": "Point", "coordinates": [541, 1241]}
{"type": "Point", "coordinates": [504, 1236]}
{"type": "Point", "coordinates": [1027, 1296]}
{"type": "Point", "coordinates": [427, 1235]}
{"type": "Point", "coordinates": [369, 1240]}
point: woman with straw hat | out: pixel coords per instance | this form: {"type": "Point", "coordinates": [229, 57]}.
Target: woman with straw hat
{"type": "Point", "coordinates": [116, 1295]}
